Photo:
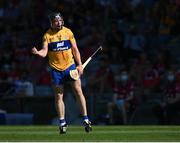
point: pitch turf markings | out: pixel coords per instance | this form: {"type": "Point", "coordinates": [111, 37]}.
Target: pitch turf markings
{"type": "Point", "coordinates": [100, 133]}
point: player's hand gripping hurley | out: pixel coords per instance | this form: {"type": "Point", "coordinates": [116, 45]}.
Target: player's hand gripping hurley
{"type": "Point", "coordinates": [74, 73]}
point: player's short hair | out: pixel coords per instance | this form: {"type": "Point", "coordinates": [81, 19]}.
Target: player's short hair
{"type": "Point", "coordinates": [55, 15]}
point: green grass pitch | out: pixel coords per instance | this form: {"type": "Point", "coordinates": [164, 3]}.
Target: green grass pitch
{"type": "Point", "coordinates": [99, 134]}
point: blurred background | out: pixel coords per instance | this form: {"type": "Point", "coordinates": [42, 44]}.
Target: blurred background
{"type": "Point", "coordinates": [134, 80]}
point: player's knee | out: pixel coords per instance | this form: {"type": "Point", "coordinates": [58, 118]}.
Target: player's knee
{"type": "Point", "coordinates": [59, 97]}
{"type": "Point", "coordinates": [78, 90]}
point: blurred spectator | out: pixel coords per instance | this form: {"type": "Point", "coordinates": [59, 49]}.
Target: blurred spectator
{"type": "Point", "coordinates": [150, 77]}
{"type": "Point", "coordinates": [137, 66]}
{"type": "Point", "coordinates": [102, 81]}
{"type": "Point", "coordinates": [170, 104]}
{"type": "Point", "coordinates": [23, 86]}
{"type": "Point", "coordinates": [135, 42]}
{"type": "Point", "coordinates": [44, 77]}
{"type": "Point", "coordinates": [123, 98]}
{"type": "Point", "coordinates": [161, 62]}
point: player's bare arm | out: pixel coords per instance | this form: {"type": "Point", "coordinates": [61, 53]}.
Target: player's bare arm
{"type": "Point", "coordinates": [77, 57]}
{"type": "Point", "coordinates": [43, 52]}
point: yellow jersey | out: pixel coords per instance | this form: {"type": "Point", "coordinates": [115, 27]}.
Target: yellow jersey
{"type": "Point", "coordinates": [59, 48]}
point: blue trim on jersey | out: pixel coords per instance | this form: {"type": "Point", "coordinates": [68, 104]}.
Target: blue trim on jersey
{"type": "Point", "coordinates": [59, 77]}
{"type": "Point", "coordinates": [59, 46]}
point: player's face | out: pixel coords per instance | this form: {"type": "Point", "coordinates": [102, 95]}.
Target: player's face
{"type": "Point", "coordinates": [57, 23]}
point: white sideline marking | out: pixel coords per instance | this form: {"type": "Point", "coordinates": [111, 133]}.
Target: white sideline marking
{"type": "Point", "coordinates": [93, 132]}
